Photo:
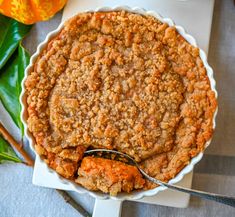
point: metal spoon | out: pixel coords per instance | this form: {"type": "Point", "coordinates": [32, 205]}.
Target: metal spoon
{"type": "Point", "coordinates": [116, 155]}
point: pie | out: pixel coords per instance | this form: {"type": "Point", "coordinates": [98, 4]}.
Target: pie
{"type": "Point", "coordinates": [124, 81]}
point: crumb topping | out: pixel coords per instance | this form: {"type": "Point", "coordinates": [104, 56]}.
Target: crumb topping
{"type": "Point", "coordinates": [123, 81]}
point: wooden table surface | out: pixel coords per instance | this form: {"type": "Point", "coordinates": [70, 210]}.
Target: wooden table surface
{"type": "Point", "coordinates": [215, 173]}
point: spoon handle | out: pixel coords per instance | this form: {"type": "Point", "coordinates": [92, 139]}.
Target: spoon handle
{"type": "Point", "coordinates": [206, 195]}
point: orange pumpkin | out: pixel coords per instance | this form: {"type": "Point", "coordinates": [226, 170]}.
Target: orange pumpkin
{"type": "Point", "coordinates": [30, 11]}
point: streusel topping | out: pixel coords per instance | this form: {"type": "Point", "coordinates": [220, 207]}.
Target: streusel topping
{"type": "Point", "coordinates": [123, 81]}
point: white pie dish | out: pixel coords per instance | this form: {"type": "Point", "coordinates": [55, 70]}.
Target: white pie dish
{"type": "Point", "coordinates": [136, 194]}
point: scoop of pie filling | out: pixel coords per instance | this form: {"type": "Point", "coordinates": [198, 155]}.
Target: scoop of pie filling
{"type": "Point", "coordinates": [123, 81]}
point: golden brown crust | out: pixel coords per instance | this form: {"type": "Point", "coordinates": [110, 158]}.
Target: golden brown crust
{"type": "Point", "coordinates": [121, 81]}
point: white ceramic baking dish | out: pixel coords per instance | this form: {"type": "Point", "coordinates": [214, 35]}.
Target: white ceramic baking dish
{"type": "Point", "coordinates": [122, 196]}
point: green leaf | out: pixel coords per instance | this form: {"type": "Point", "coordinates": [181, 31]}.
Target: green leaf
{"type": "Point", "coordinates": [7, 153]}
{"type": "Point", "coordinates": [11, 76]}
{"type": "Point", "coordinates": [11, 33]}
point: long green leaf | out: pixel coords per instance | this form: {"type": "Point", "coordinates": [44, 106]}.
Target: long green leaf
{"type": "Point", "coordinates": [11, 33]}
{"type": "Point", "coordinates": [11, 76]}
{"type": "Point", "coordinates": [7, 153]}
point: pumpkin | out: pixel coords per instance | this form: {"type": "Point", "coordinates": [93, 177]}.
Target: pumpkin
{"type": "Point", "coordinates": [30, 11]}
